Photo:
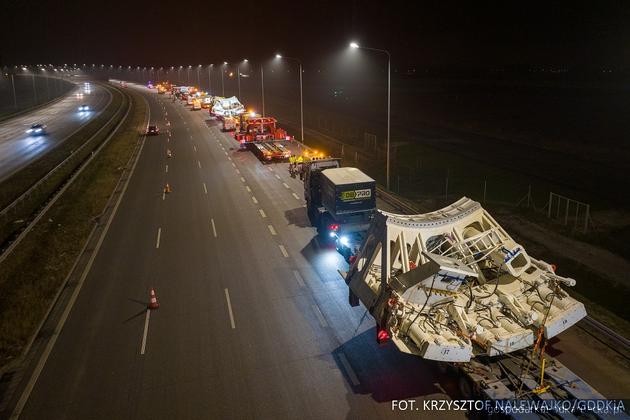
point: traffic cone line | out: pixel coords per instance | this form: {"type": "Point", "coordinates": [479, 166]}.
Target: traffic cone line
{"type": "Point", "coordinates": [153, 303]}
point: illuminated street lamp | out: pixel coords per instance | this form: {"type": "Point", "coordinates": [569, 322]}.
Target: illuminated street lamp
{"type": "Point", "coordinates": [278, 56]}
{"type": "Point", "coordinates": [210, 67]}
{"type": "Point", "coordinates": [238, 76]}
{"type": "Point", "coordinates": [355, 46]}
{"type": "Point", "coordinates": [222, 82]}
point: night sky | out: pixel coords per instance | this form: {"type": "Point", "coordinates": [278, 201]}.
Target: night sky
{"type": "Point", "coordinates": [422, 34]}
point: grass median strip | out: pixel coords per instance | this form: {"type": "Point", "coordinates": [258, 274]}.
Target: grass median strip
{"type": "Point", "coordinates": [32, 274]}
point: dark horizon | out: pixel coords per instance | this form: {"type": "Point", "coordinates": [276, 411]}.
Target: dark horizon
{"type": "Point", "coordinates": [418, 35]}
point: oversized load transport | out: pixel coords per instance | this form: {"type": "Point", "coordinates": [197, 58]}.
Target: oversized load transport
{"type": "Point", "coordinates": [227, 107]}
{"type": "Point", "coordinates": [452, 285]}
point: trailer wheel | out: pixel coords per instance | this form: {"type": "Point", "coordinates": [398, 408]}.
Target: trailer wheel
{"type": "Point", "coordinates": [465, 388]}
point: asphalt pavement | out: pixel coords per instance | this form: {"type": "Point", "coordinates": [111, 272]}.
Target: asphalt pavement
{"type": "Point", "coordinates": [62, 118]}
{"type": "Point", "coordinates": [253, 319]}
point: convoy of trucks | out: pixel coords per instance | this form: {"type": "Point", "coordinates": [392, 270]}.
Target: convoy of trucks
{"type": "Point", "coordinates": [493, 340]}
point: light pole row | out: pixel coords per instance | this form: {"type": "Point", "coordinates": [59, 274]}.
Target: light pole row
{"type": "Point", "coordinates": [353, 45]}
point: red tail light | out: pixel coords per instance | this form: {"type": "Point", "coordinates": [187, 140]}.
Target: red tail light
{"type": "Point", "coordinates": [333, 227]}
{"type": "Point", "coordinates": [382, 335]}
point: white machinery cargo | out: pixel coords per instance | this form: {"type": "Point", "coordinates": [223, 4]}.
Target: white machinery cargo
{"type": "Point", "coordinates": [451, 285]}
{"type": "Point", "coordinates": [228, 107]}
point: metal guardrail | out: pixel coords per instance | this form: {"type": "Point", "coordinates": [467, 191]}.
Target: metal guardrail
{"type": "Point", "coordinates": [76, 154]}
{"type": "Point", "coordinates": [612, 335]}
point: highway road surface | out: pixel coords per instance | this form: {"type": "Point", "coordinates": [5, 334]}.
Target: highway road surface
{"type": "Point", "coordinates": [62, 118]}
{"type": "Point", "coordinates": [253, 319]}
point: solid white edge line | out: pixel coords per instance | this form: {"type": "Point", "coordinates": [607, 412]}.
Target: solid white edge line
{"type": "Point", "coordinates": [157, 242]}
{"type": "Point", "coordinates": [144, 334]}
{"type": "Point", "coordinates": [284, 251]}
{"type": "Point", "coordinates": [214, 229]}
{"type": "Point", "coordinates": [348, 369]}
{"type": "Point", "coordinates": [229, 304]}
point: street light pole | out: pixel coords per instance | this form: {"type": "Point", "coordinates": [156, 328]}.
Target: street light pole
{"type": "Point", "coordinates": [222, 82]}
{"type": "Point", "coordinates": [262, 88]}
{"type": "Point", "coordinates": [238, 78]}
{"type": "Point", "coordinates": [13, 86]}
{"type": "Point", "coordinates": [210, 79]}
{"type": "Point", "coordinates": [198, 78]}
{"type": "Point", "coordinates": [301, 97]}
{"type": "Point", "coordinates": [389, 86]}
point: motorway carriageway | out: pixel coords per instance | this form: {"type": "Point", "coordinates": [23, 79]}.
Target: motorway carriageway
{"type": "Point", "coordinates": [62, 118]}
{"type": "Point", "coordinates": [253, 319]}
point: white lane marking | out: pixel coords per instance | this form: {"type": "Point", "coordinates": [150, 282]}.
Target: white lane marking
{"type": "Point", "coordinates": [262, 213]}
{"type": "Point", "coordinates": [242, 179]}
{"type": "Point", "coordinates": [284, 251]}
{"type": "Point", "coordinates": [247, 188]}
{"type": "Point", "coordinates": [168, 139]}
{"type": "Point", "coordinates": [146, 330]}
{"type": "Point", "coordinates": [226, 153]}
{"type": "Point", "coordinates": [194, 148]}
{"type": "Point", "coordinates": [229, 304]}
{"type": "Point", "coordinates": [237, 171]}
{"type": "Point", "coordinates": [199, 164]}
{"type": "Point", "coordinates": [214, 229]}
{"type": "Point", "coordinates": [159, 234]}
{"type": "Point", "coordinates": [298, 277]}
{"type": "Point", "coordinates": [285, 185]}
{"type": "Point", "coordinates": [270, 168]}
{"type": "Point", "coordinates": [191, 137]}
{"type": "Point", "coordinates": [166, 169]}
{"type": "Point", "coordinates": [254, 200]}
{"type": "Point", "coordinates": [297, 197]}
{"type": "Point", "coordinates": [272, 230]}
{"type": "Point", "coordinates": [277, 176]}
{"type": "Point", "coordinates": [348, 369]}
{"type": "Point", "coordinates": [163, 195]}
{"type": "Point", "coordinates": [205, 189]}
{"type": "Point", "coordinates": [229, 158]}
{"type": "Point", "coordinates": [320, 316]}
{"type": "Point", "coordinates": [234, 164]}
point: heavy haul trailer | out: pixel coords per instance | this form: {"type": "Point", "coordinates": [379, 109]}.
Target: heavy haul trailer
{"type": "Point", "coordinates": [452, 286]}
{"type": "Point", "coordinates": [268, 151]}
{"type": "Point", "coordinates": [263, 138]}
{"type": "Point", "coordinates": [340, 202]}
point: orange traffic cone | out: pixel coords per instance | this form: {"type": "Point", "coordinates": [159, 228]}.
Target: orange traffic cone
{"type": "Point", "coordinates": [153, 303]}
{"type": "Point", "coordinates": [167, 188]}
